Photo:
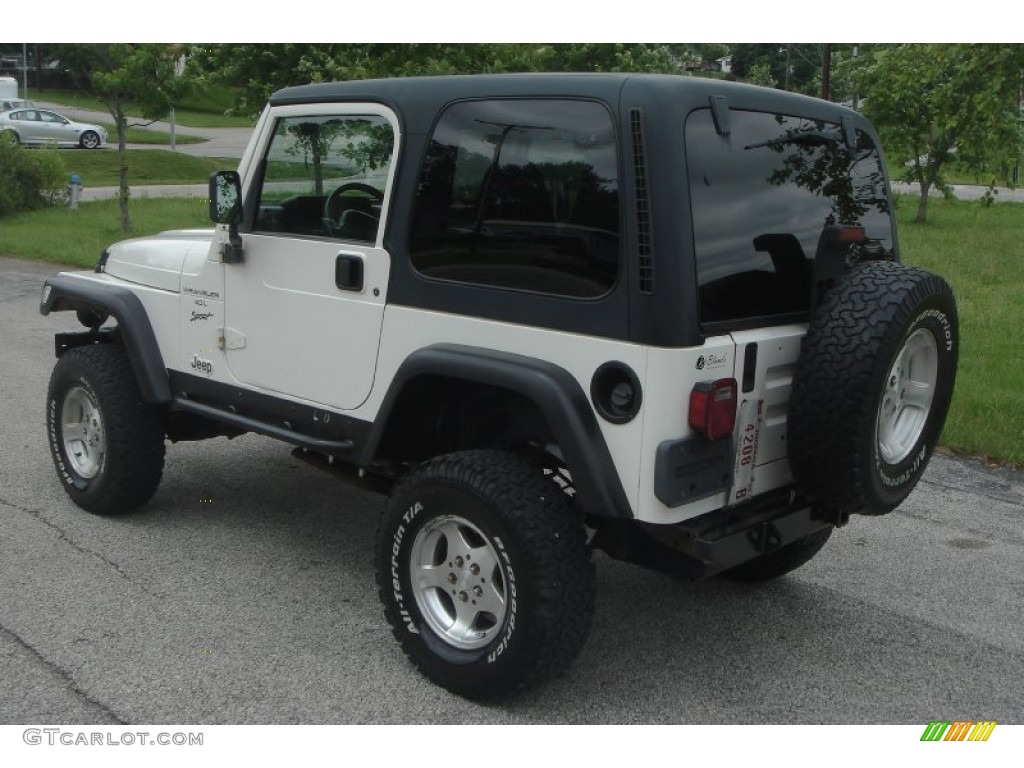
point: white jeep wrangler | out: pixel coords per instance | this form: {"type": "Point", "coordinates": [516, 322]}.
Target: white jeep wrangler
{"type": "Point", "coordinates": [659, 316]}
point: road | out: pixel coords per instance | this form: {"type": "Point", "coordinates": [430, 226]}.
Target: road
{"type": "Point", "coordinates": [244, 593]}
{"type": "Point", "coordinates": [963, 192]}
{"type": "Point", "coordinates": [219, 142]}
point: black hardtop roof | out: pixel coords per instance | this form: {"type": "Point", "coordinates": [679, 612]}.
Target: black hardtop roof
{"type": "Point", "coordinates": [457, 86]}
{"type": "Point", "coordinates": [417, 99]}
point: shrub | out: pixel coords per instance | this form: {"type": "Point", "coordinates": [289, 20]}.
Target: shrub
{"type": "Point", "coordinates": [30, 178]}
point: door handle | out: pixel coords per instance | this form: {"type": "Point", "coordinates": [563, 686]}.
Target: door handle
{"type": "Point", "coordinates": [348, 272]}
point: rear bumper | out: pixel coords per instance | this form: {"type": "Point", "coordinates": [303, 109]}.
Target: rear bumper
{"type": "Point", "coordinates": [715, 542]}
{"type": "Point", "coordinates": [728, 544]}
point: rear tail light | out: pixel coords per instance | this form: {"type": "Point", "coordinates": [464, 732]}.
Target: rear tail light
{"type": "Point", "coordinates": [851, 234]}
{"type": "Point", "coordinates": [713, 408]}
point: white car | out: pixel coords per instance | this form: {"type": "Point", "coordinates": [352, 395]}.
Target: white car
{"type": "Point", "coordinates": [41, 126]}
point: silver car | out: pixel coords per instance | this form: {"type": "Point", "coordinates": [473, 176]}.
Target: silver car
{"type": "Point", "coordinates": [7, 104]}
{"type": "Point", "coordinates": [41, 126]}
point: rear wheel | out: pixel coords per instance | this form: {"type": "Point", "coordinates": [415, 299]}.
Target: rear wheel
{"type": "Point", "coordinates": [10, 137]}
{"type": "Point", "coordinates": [107, 444]}
{"type": "Point", "coordinates": [484, 573]}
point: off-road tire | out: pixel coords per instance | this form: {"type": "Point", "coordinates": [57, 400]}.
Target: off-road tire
{"type": "Point", "coordinates": [521, 521]}
{"type": "Point", "coordinates": [781, 561]}
{"type": "Point", "coordinates": [125, 470]}
{"type": "Point", "coordinates": [882, 322]}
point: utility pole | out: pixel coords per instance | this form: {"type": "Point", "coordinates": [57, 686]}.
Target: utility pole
{"type": "Point", "coordinates": [826, 70]}
{"type": "Point", "coordinates": [24, 69]}
{"type": "Point", "coordinates": [856, 99]}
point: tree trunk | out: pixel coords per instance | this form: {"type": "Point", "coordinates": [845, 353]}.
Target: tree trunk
{"type": "Point", "coordinates": [922, 204]}
{"type": "Point", "coordinates": [318, 171]}
{"type": "Point", "coordinates": [122, 157]}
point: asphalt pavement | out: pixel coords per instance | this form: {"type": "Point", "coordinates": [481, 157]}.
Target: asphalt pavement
{"type": "Point", "coordinates": [244, 593]}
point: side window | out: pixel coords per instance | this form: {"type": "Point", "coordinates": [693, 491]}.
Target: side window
{"type": "Point", "coordinates": [325, 176]}
{"type": "Point", "coordinates": [520, 194]}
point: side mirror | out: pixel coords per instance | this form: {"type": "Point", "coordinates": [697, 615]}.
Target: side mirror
{"type": "Point", "coordinates": [226, 208]}
{"type": "Point", "coordinates": [225, 197]}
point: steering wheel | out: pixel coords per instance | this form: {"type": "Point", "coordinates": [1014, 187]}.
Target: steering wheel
{"type": "Point", "coordinates": [333, 221]}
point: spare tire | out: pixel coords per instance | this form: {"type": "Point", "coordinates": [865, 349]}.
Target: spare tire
{"type": "Point", "coordinates": [872, 387]}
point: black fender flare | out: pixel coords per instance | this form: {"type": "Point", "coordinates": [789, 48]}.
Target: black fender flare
{"type": "Point", "coordinates": [551, 388]}
{"type": "Point", "coordinates": [63, 292]}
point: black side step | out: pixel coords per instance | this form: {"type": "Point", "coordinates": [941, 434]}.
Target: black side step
{"type": "Point", "coordinates": [355, 476]}
{"type": "Point", "coordinates": [261, 427]}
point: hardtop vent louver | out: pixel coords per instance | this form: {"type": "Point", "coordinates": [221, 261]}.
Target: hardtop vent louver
{"type": "Point", "coordinates": [644, 239]}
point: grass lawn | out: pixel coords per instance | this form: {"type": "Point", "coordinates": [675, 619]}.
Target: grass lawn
{"type": "Point", "coordinates": [144, 136]}
{"type": "Point", "coordinates": [79, 236]}
{"type": "Point", "coordinates": [145, 166]}
{"type": "Point", "coordinates": [205, 110]}
{"type": "Point", "coordinates": [955, 173]}
{"type": "Point", "coordinates": [978, 250]}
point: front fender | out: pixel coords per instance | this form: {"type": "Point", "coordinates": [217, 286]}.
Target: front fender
{"type": "Point", "coordinates": [62, 293]}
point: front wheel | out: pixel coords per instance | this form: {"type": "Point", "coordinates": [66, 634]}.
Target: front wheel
{"type": "Point", "coordinates": [107, 444]}
{"type": "Point", "coordinates": [10, 137]}
{"type": "Point", "coordinates": [484, 573]}
{"type": "Point", "coordinates": [89, 140]}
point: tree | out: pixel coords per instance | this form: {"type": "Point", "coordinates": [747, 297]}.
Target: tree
{"type": "Point", "coordinates": [793, 66]}
{"type": "Point", "coordinates": [259, 70]}
{"type": "Point", "coordinates": [936, 103]}
{"type": "Point", "coordinates": [30, 180]}
{"type": "Point", "coordinates": [761, 74]}
{"type": "Point", "coordinates": [126, 75]}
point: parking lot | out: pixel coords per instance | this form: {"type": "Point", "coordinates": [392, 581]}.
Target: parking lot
{"type": "Point", "coordinates": [244, 593]}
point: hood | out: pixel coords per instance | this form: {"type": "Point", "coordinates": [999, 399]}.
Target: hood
{"type": "Point", "coordinates": [157, 261]}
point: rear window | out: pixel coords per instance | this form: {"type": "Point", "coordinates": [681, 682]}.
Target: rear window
{"type": "Point", "coordinates": [761, 199]}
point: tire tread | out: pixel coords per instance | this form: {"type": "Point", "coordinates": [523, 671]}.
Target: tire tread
{"type": "Point", "coordinates": [134, 429]}
{"type": "Point", "coordinates": [557, 562]}
{"type": "Point", "coordinates": [833, 398]}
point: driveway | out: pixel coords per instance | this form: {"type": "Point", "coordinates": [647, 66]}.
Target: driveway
{"type": "Point", "coordinates": [244, 593]}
